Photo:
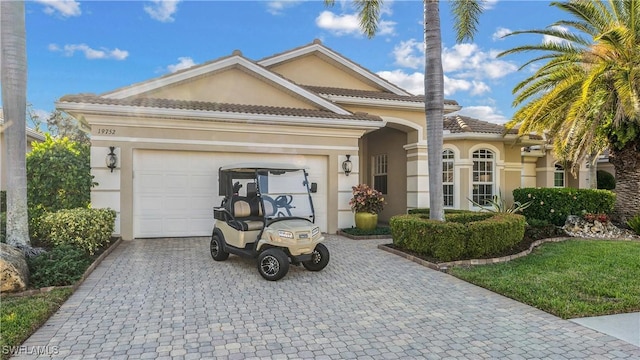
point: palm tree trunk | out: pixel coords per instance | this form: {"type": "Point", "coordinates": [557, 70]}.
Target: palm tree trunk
{"type": "Point", "coordinates": [434, 104]}
{"type": "Point", "coordinates": [593, 170]}
{"type": "Point", "coordinates": [14, 89]}
{"type": "Point", "coordinates": [627, 164]}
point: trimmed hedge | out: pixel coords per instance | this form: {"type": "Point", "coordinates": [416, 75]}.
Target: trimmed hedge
{"type": "Point", "coordinates": [555, 204]}
{"type": "Point", "coordinates": [87, 229]}
{"type": "Point", "coordinates": [426, 211]}
{"type": "Point", "coordinates": [465, 234]}
{"type": "Point", "coordinates": [606, 180]}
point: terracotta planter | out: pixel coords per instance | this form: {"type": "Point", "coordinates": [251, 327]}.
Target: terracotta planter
{"type": "Point", "coordinates": [366, 221]}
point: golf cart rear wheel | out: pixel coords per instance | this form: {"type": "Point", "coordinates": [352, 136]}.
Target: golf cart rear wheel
{"type": "Point", "coordinates": [319, 259]}
{"type": "Point", "coordinates": [217, 248]}
{"type": "Point", "coordinates": [273, 264]}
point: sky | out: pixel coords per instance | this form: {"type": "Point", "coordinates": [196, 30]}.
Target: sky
{"type": "Point", "coordinates": [96, 46]}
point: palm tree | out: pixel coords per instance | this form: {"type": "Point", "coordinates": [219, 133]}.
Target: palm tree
{"type": "Point", "coordinates": [589, 88]}
{"type": "Point", "coordinates": [14, 86]}
{"type": "Point", "coordinates": [466, 13]}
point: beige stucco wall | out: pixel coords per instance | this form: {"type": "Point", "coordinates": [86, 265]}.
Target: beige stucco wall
{"type": "Point", "coordinates": [225, 87]}
{"type": "Point", "coordinates": [306, 70]}
{"type": "Point", "coordinates": [128, 134]}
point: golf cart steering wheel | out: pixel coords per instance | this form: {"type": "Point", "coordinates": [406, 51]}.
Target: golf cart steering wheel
{"type": "Point", "coordinates": [284, 201]}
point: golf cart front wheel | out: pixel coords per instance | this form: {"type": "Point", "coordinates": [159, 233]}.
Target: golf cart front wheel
{"type": "Point", "coordinates": [273, 264]}
{"type": "Point", "coordinates": [217, 248]}
{"type": "Point", "coordinates": [319, 259]}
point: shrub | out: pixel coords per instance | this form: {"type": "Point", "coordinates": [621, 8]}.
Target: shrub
{"type": "Point", "coordinates": [634, 224]}
{"type": "Point", "coordinates": [426, 211]}
{"type": "Point", "coordinates": [606, 180]}
{"type": "Point", "coordinates": [359, 232]}
{"type": "Point", "coordinates": [59, 174]}
{"type": "Point", "coordinates": [464, 235]}
{"type": "Point", "coordinates": [366, 199]}
{"type": "Point", "coordinates": [63, 265]}
{"type": "Point", "coordinates": [555, 204]}
{"type": "Point", "coordinates": [87, 229]}
{"type": "Point", "coordinates": [3, 201]}
{"type": "Point", "coordinates": [3, 227]}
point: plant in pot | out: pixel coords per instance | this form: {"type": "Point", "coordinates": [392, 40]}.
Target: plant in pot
{"type": "Point", "coordinates": [366, 203]}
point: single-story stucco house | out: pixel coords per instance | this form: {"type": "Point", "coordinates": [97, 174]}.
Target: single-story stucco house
{"type": "Point", "coordinates": [32, 136]}
{"type": "Point", "coordinates": [309, 106]}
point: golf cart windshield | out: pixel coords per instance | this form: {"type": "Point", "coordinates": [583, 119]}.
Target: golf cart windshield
{"type": "Point", "coordinates": [285, 194]}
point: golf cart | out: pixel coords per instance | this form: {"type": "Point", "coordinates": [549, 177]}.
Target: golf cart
{"type": "Point", "coordinates": [267, 214]}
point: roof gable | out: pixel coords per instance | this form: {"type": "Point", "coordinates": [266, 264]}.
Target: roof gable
{"type": "Point", "coordinates": [337, 71]}
{"type": "Point", "coordinates": [234, 77]}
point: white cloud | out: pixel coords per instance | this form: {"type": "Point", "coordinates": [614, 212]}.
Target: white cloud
{"type": "Point", "coordinates": [490, 4]}
{"type": "Point", "coordinates": [277, 7]}
{"type": "Point", "coordinates": [500, 32]}
{"type": "Point", "coordinates": [485, 113]}
{"type": "Point", "coordinates": [349, 24]}
{"type": "Point", "coordinates": [413, 83]}
{"type": "Point", "coordinates": [409, 54]}
{"type": "Point", "coordinates": [89, 53]}
{"type": "Point", "coordinates": [65, 8]}
{"type": "Point", "coordinates": [162, 10]}
{"type": "Point", "coordinates": [467, 60]}
{"type": "Point", "coordinates": [183, 63]}
{"type": "Point", "coordinates": [552, 39]}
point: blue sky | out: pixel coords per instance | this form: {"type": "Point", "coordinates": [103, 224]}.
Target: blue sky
{"type": "Point", "coordinates": [97, 46]}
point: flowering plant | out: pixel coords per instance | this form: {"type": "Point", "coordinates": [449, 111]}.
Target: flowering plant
{"type": "Point", "coordinates": [366, 199]}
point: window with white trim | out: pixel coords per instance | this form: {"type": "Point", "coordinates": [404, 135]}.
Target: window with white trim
{"type": "Point", "coordinates": [483, 176]}
{"type": "Point", "coordinates": [380, 173]}
{"type": "Point", "coordinates": [559, 176]}
{"type": "Point", "coordinates": [447, 177]}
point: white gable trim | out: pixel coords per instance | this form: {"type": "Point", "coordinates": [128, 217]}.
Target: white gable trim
{"type": "Point", "coordinates": [219, 65]}
{"type": "Point", "coordinates": [337, 58]}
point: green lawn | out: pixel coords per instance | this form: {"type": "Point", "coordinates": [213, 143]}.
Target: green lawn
{"type": "Point", "coordinates": [21, 316]}
{"type": "Point", "coordinates": [570, 279]}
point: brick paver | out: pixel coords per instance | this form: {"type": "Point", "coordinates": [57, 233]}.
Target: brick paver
{"type": "Point", "coordinates": [167, 299]}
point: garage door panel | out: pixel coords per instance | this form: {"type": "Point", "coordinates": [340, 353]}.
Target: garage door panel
{"type": "Point", "coordinates": [175, 191]}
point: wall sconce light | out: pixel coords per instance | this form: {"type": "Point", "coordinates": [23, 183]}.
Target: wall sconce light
{"type": "Point", "coordinates": [347, 166]}
{"type": "Point", "coordinates": [111, 158]}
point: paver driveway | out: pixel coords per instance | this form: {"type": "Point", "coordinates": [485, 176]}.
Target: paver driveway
{"type": "Point", "coordinates": [167, 298]}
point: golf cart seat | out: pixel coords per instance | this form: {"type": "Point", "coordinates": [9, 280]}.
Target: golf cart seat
{"type": "Point", "coordinates": [246, 211]}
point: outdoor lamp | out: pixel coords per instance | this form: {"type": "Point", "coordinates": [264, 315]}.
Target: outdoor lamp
{"type": "Point", "coordinates": [347, 165]}
{"type": "Point", "coordinates": [111, 158]}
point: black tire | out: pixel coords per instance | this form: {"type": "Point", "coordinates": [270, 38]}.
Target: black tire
{"type": "Point", "coordinates": [273, 264]}
{"type": "Point", "coordinates": [217, 248]}
{"type": "Point", "coordinates": [319, 259]}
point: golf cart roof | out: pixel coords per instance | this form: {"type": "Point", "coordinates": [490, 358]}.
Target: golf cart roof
{"type": "Point", "coordinates": [261, 166]}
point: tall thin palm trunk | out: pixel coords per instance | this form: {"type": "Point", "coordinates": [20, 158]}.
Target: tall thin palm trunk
{"type": "Point", "coordinates": [626, 161]}
{"type": "Point", "coordinates": [434, 105]}
{"type": "Point", "coordinates": [14, 89]}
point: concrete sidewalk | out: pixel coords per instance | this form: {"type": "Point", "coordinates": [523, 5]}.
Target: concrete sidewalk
{"type": "Point", "coordinates": [622, 326]}
{"type": "Point", "coordinates": [167, 299]}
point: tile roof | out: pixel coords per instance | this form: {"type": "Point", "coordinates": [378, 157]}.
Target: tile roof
{"type": "Point", "coordinates": [370, 94]}
{"type": "Point", "coordinates": [459, 124]}
{"type": "Point", "coordinates": [214, 106]}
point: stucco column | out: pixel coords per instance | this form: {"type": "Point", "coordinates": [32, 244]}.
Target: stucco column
{"type": "Point", "coordinates": [417, 176]}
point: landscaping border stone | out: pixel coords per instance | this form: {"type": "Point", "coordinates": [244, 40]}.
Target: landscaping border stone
{"type": "Point", "coordinates": [445, 266]}
{"type": "Point", "coordinates": [78, 283]}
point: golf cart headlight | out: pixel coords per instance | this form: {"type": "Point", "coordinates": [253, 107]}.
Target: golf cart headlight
{"type": "Point", "coordinates": [315, 231]}
{"type": "Point", "coordinates": [285, 234]}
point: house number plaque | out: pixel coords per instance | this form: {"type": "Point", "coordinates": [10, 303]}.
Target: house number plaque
{"type": "Point", "coordinates": [104, 131]}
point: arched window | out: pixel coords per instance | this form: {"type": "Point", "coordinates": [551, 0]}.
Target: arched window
{"type": "Point", "coordinates": [559, 176]}
{"type": "Point", "coordinates": [483, 176]}
{"type": "Point", "coordinates": [447, 177]}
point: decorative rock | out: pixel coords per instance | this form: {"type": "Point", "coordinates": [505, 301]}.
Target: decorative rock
{"type": "Point", "coordinates": [576, 226]}
{"type": "Point", "coordinates": [14, 272]}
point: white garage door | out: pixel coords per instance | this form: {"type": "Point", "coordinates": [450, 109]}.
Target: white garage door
{"type": "Point", "coordinates": [174, 192]}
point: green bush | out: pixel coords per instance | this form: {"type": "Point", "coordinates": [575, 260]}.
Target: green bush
{"type": "Point", "coordinates": [59, 177]}
{"type": "Point", "coordinates": [3, 201]}
{"type": "Point", "coordinates": [606, 180]}
{"type": "Point", "coordinates": [63, 265]}
{"type": "Point", "coordinates": [634, 224]}
{"type": "Point", "coordinates": [555, 204]}
{"type": "Point", "coordinates": [359, 232]}
{"type": "Point", "coordinates": [426, 211]}
{"type": "Point", "coordinates": [87, 229]}
{"type": "Point", "coordinates": [464, 235]}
